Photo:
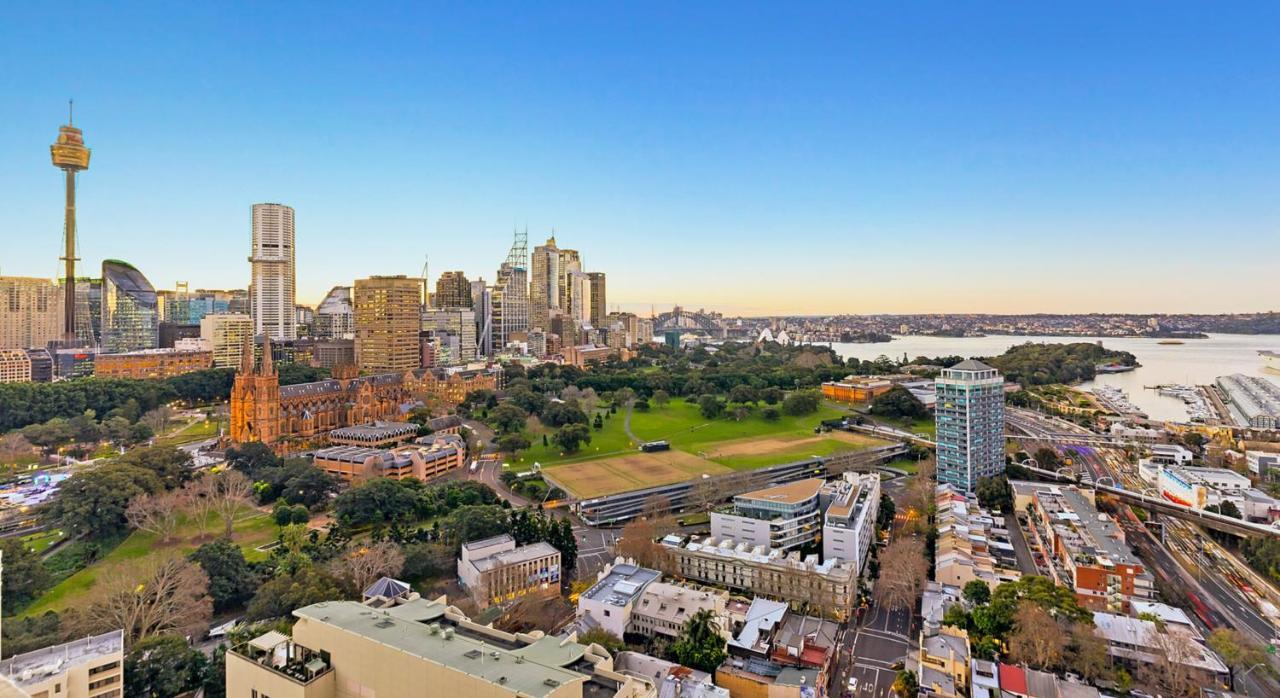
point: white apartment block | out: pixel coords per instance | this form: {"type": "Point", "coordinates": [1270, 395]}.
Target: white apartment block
{"type": "Point", "coordinates": [663, 608]}
{"type": "Point", "coordinates": [272, 287]}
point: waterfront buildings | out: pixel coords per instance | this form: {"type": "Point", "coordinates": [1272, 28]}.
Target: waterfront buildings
{"type": "Point", "coordinates": [90, 667]}
{"type": "Point", "coordinates": [130, 321]}
{"type": "Point", "coordinates": [335, 316]}
{"type": "Point", "coordinates": [225, 335]}
{"type": "Point", "coordinates": [407, 646]}
{"type": "Point", "coordinates": [152, 363]}
{"type": "Point", "coordinates": [453, 290]}
{"type": "Point", "coordinates": [272, 285]}
{"type": "Point", "coordinates": [972, 543]}
{"type": "Point", "coordinates": [495, 569]}
{"type": "Point", "coordinates": [1086, 550]}
{"type": "Point", "coordinates": [610, 602]}
{"type": "Point", "coordinates": [31, 312]}
{"type": "Point", "coordinates": [1256, 400]}
{"type": "Point", "coordinates": [970, 424]}
{"type": "Point", "coordinates": [386, 323]}
{"type": "Point", "coordinates": [826, 588]}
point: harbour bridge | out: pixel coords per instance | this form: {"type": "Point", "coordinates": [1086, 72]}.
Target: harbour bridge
{"type": "Point", "coordinates": [679, 319]}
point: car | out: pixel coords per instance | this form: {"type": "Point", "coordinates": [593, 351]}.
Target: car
{"type": "Point", "coordinates": [896, 666]}
{"type": "Point", "coordinates": [853, 683]}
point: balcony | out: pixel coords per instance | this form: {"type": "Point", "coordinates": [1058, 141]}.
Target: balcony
{"type": "Point", "coordinates": [278, 653]}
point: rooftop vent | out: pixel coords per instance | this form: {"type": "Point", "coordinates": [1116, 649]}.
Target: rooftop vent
{"type": "Point", "coordinates": [550, 682]}
{"type": "Point", "coordinates": [385, 623]}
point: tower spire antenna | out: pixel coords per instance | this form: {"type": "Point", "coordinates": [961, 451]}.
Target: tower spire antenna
{"type": "Point", "coordinates": [71, 112]}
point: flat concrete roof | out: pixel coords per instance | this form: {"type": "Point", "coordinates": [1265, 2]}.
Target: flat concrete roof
{"type": "Point", "coordinates": [453, 650]}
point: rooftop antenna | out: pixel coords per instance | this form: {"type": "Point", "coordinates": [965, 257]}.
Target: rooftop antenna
{"type": "Point", "coordinates": [71, 112]}
{"type": "Point", "coordinates": [426, 294]}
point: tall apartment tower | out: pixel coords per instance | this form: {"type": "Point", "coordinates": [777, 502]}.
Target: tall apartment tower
{"type": "Point", "coordinates": [580, 298]}
{"type": "Point", "coordinates": [482, 303]}
{"type": "Point", "coordinates": [598, 305]}
{"type": "Point", "coordinates": [272, 288]}
{"type": "Point", "coordinates": [970, 424]}
{"type": "Point", "coordinates": [387, 318]}
{"type": "Point", "coordinates": [453, 290]}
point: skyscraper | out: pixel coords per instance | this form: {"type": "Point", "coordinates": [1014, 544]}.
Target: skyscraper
{"type": "Point", "coordinates": [482, 303]}
{"type": "Point", "coordinates": [970, 424]}
{"type": "Point", "coordinates": [570, 262]}
{"type": "Point", "coordinates": [510, 295]}
{"type": "Point", "coordinates": [387, 318]}
{"type": "Point", "coordinates": [453, 290]}
{"type": "Point", "coordinates": [598, 311]}
{"type": "Point", "coordinates": [579, 297]}
{"type": "Point", "coordinates": [225, 335]}
{"type": "Point", "coordinates": [31, 313]}
{"type": "Point", "coordinates": [544, 284]}
{"type": "Point", "coordinates": [130, 317]}
{"type": "Point", "coordinates": [272, 287]}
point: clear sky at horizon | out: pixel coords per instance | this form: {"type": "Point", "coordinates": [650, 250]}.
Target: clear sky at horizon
{"type": "Point", "coordinates": [752, 158]}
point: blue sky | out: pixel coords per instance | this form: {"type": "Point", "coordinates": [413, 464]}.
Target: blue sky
{"type": "Point", "coordinates": [770, 158]}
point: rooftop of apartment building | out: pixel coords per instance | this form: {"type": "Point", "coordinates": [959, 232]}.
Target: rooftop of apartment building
{"type": "Point", "coordinates": [1138, 639]}
{"type": "Point", "coordinates": [745, 552]}
{"type": "Point", "coordinates": [36, 666]}
{"type": "Point", "coordinates": [1090, 536]}
{"type": "Point", "coordinates": [676, 602]}
{"type": "Point", "coordinates": [621, 583]}
{"type": "Point", "coordinates": [848, 497]}
{"type": "Point", "coordinates": [791, 493]}
{"type": "Point", "coordinates": [421, 629]}
{"type": "Point", "coordinates": [672, 680]}
{"type": "Point", "coordinates": [761, 619]}
{"type": "Point", "coordinates": [523, 553]}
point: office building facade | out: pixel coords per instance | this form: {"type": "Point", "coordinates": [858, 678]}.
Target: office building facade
{"type": "Point", "coordinates": [31, 312]}
{"type": "Point", "coordinates": [386, 323]}
{"type": "Point", "coordinates": [598, 304]}
{"type": "Point", "coordinates": [970, 424]}
{"type": "Point", "coordinates": [453, 290]}
{"type": "Point", "coordinates": [335, 316]}
{"type": "Point", "coordinates": [225, 335]}
{"type": "Point", "coordinates": [272, 286]}
{"type": "Point", "coordinates": [130, 319]}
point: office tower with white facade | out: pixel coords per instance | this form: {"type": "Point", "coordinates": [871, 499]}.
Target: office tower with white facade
{"type": "Point", "coordinates": [31, 312]}
{"type": "Point", "coordinates": [580, 298]}
{"type": "Point", "coordinates": [224, 334]}
{"type": "Point", "coordinates": [970, 422]}
{"type": "Point", "coordinates": [272, 287]}
{"type": "Point", "coordinates": [335, 316]}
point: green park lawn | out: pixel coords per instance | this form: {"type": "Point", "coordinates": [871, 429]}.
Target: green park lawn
{"type": "Point", "coordinates": [252, 529]}
{"type": "Point", "coordinates": [40, 542]}
{"type": "Point", "coordinates": [682, 424]}
{"type": "Point", "coordinates": [194, 431]}
{"type": "Point", "coordinates": [609, 441]}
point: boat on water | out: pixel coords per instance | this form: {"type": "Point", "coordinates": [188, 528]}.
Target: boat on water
{"type": "Point", "coordinates": [1171, 341]}
{"type": "Point", "coordinates": [1270, 360]}
{"type": "Point", "coordinates": [1114, 368]}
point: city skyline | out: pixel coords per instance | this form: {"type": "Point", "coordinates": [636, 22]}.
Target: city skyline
{"type": "Point", "coordinates": [831, 160]}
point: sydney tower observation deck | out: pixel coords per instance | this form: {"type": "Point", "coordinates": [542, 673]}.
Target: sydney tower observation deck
{"type": "Point", "coordinates": [70, 156]}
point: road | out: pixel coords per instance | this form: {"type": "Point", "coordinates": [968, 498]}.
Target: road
{"type": "Point", "coordinates": [872, 652]}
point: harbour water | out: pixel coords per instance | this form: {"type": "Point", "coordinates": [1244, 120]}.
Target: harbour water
{"type": "Point", "coordinates": [1195, 362]}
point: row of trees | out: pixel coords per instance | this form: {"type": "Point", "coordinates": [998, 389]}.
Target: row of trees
{"type": "Point", "coordinates": [22, 404]}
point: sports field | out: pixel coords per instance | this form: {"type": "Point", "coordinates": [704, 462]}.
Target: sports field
{"type": "Point", "coordinates": [630, 472]}
{"type": "Point", "coordinates": [779, 448]}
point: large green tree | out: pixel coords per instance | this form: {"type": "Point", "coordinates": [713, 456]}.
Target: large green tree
{"type": "Point", "coordinates": [285, 593]}
{"type": "Point", "coordinates": [571, 437]}
{"type": "Point", "coordinates": [163, 666]}
{"type": "Point", "coordinates": [25, 576]}
{"type": "Point", "coordinates": [92, 502]}
{"type": "Point", "coordinates": [474, 522]}
{"type": "Point", "coordinates": [172, 465]}
{"type": "Point", "coordinates": [378, 501]}
{"type": "Point", "coordinates": [700, 645]}
{"type": "Point", "coordinates": [231, 579]}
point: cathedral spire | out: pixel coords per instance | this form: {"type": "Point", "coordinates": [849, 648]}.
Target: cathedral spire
{"type": "Point", "coordinates": [246, 354]}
